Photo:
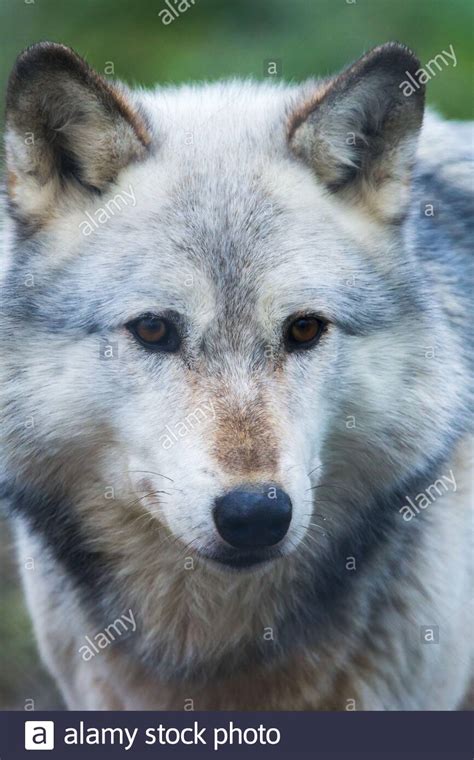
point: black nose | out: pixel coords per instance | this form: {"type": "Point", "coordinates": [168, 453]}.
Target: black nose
{"type": "Point", "coordinates": [253, 516]}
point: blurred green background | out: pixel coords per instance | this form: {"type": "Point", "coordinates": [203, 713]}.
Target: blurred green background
{"type": "Point", "coordinates": [214, 38]}
{"type": "Point", "coordinates": [219, 38]}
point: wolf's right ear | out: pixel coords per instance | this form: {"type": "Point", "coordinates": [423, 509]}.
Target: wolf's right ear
{"type": "Point", "coordinates": [358, 131]}
{"type": "Point", "coordinates": [66, 127]}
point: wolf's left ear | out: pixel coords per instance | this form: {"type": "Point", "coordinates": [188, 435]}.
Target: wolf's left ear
{"type": "Point", "coordinates": [66, 127]}
{"type": "Point", "coordinates": [359, 130]}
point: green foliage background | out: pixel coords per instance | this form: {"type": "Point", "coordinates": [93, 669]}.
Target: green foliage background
{"type": "Point", "coordinates": [219, 38]}
{"type": "Point", "coordinates": [213, 39]}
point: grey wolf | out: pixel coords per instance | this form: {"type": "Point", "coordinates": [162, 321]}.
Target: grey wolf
{"type": "Point", "coordinates": [297, 260]}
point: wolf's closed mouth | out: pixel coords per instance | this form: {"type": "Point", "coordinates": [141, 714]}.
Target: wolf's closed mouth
{"type": "Point", "coordinates": [242, 560]}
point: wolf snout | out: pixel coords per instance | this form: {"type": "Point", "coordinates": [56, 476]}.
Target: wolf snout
{"type": "Point", "coordinates": [253, 516]}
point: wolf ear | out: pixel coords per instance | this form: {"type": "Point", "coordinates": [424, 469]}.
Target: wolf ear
{"type": "Point", "coordinates": [66, 127]}
{"type": "Point", "coordinates": [358, 132]}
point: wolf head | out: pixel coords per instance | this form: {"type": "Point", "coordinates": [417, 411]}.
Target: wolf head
{"type": "Point", "coordinates": [214, 329]}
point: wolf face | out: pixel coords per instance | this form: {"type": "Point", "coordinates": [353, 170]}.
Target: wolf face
{"type": "Point", "coordinates": [213, 332]}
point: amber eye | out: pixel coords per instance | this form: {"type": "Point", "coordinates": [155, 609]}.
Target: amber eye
{"type": "Point", "coordinates": [156, 333]}
{"type": "Point", "coordinates": [303, 332]}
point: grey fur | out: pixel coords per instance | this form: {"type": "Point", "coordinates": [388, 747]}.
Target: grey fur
{"type": "Point", "coordinates": [234, 231]}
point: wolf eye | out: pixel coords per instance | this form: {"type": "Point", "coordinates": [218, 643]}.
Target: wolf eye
{"type": "Point", "coordinates": [156, 333]}
{"type": "Point", "coordinates": [303, 332]}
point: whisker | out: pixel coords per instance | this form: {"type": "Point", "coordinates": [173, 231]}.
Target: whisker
{"type": "Point", "coordinates": [150, 472]}
{"type": "Point", "coordinates": [330, 485]}
{"type": "Point", "coordinates": [320, 501]}
{"type": "Point", "coordinates": [318, 514]}
{"type": "Point", "coordinates": [309, 538]}
{"type": "Point", "coordinates": [152, 493]}
{"type": "Point", "coordinates": [320, 527]}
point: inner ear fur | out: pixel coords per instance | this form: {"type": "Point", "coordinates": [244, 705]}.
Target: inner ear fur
{"type": "Point", "coordinates": [65, 124]}
{"type": "Point", "coordinates": [358, 131]}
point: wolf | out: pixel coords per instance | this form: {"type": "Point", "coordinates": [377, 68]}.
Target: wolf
{"type": "Point", "coordinates": [297, 261]}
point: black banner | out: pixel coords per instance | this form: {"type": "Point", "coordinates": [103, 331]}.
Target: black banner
{"type": "Point", "coordinates": [320, 736]}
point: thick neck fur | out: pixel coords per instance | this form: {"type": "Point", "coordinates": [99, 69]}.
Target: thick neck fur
{"type": "Point", "coordinates": [191, 619]}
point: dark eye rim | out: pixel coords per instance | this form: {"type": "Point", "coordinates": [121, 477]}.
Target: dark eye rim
{"type": "Point", "coordinates": [293, 346]}
{"type": "Point", "coordinates": [170, 342]}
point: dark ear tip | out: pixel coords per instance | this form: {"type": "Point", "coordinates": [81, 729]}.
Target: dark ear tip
{"type": "Point", "coordinates": [46, 54]}
{"type": "Point", "coordinates": [39, 59]}
{"type": "Point", "coordinates": [393, 56]}
{"type": "Point", "coordinates": [395, 60]}
{"type": "Point", "coordinates": [397, 51]}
